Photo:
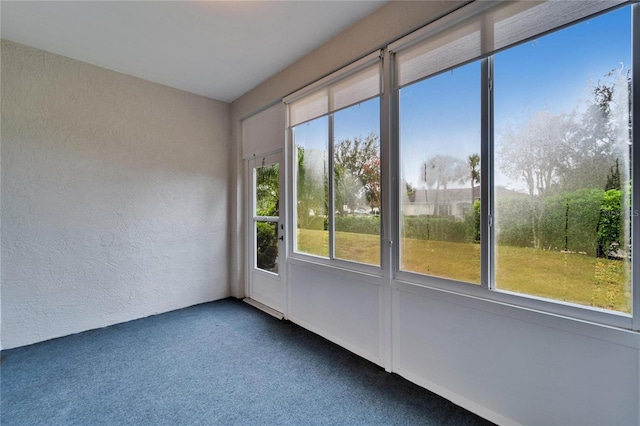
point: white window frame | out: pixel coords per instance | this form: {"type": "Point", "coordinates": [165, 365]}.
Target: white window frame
{"type": "Point", "coordinates": [486, 290]}
{"type": "Point", "coordinates": [373, 59]}
{"type": "Point", "coordinates": [389, 270]}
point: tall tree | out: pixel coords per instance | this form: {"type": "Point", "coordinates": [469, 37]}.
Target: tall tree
{"type": "Point", "coordinates": [372, 182]}
{"type": "Point", "coordinates": [473, 161]}
{"type": "Point", "coordinates": [356, 168]}
{"type": "Point", "coordinates": [267, 190]}
{"type": "Point", "coordinates": [411, 191]}
{"type": "Point", "coordinates": [311, 185]}
{"type": "Point", "coordinates": [613, 179]}
{"type": "Point", "coordinates": [441, 170]}
{"type": "Point", "coordinates": [533, 155]}
{"type": "Point", "coordinates": [601, 135]}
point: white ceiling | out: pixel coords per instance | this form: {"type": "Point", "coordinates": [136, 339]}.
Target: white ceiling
{"type": "Point", "coordinates": [218, 49]}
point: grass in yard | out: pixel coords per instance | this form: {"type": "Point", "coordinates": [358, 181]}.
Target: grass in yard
{"type": "Point", "coordinates": [363, 248]}
{"type": "Point", "coordinates": [458, 261]}
{"type": "Point", "coordinates": [569, 277]}
{"type": "Point", "coordinates": [314, 242]}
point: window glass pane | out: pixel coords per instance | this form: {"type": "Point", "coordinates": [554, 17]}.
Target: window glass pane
{"type": "Point", "coordinates": [268, 190]}
{"type": "Point", "coordinates": [440, 175]}
{"type": "Point", "coordinates": [563, 166]}
{"type": "Point", "coordinates": [267, 246]}
{"type": "Point", "coordinates": [356, 182]}
{"type": "Point", "coordinates": [311, 142]}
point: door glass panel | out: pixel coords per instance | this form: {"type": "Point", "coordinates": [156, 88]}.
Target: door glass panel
{"type": "Point", "coordinates": [267, 246]}
{"type": "Point", "coordinates": [267, 196]}
{"type": "Point", "coordinates": [268, 190]}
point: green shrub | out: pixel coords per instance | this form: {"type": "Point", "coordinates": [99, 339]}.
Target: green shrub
{"type": "Point", "coordinates": [586, 220]}
{"type": "Point", "coordinates": [554, 223]}
{"type": "Point", "coordinates": [434, 228]}
{"type": "Point", "coordinates": [358, 224]}
{"type": "Point", "coordinates": [570, 221]}
{"type": "Point", "coordinates": [472, 224]}
{"type": "Point", "coordinates": [515, 221]}
{"type": "Point", "coordinates": [267, 244]}
{"type": "Point", "coordinates": [567, 221]}
{"type": "Point", "coordinates": [584, 215]}
{"type": "Point", "coordinates": [610, 222]}
{"type": "Point", "coordinates": [317, 223]}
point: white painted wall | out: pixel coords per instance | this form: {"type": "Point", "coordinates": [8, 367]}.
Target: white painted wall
{"type": "Point", "coordinates": [339, 305]}
{"type": "Point", "coordinates": [515, 366]}
{"type": "Point", "coordinates": [508, 364]}
{"type": "Point", "coordinates": [114, 197]}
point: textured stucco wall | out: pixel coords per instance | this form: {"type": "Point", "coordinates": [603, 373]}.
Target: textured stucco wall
{"type": "Point", "coordinates": [388, 23]}
{"type": "Point", "coordinates": [114, 197]}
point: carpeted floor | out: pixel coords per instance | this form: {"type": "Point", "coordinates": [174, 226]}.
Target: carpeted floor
{"type": "Point", "coordinates": [218, 363]}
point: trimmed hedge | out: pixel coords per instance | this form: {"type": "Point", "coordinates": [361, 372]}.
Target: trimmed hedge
{"type": "Point", "coordinates": [434, 228]}
{"type": "Point", "coordinates": [418, 227]}
{"type": "Point", "coordinates": [570, 221]}
{"type": "Point", "coordinates": [611, 224]}
{"type": "Point", "coordinates": [586, 220]}
{"type": "Point", "coordinates": [514, 218]}
{"type": "Point", "coordinates": [317, 223]}
{"type": "Point", "coordinates": [472, 223]}
{"type": "Point", "coordinates": [358, 224]}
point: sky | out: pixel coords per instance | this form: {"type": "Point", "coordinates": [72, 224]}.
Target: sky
{"type": "Point", "coordinates": [441, 114]}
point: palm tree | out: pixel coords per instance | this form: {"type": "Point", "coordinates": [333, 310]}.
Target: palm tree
{"type": "Point", "coordinates": [442, 170]}
{"type": "Point", "coordinates": [474, 166]}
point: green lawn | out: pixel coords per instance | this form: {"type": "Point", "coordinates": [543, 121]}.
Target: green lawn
{"type": "Point", "coordinates": [363, 248]}
{"type": "Point", "coordinates": [561, 276]}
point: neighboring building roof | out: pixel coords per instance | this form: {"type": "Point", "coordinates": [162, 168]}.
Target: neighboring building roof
{"type": "Point", "coordinates": [458, 195]}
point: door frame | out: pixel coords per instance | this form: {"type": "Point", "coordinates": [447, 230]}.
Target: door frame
{"type": "Point", "coordinates": [250, 236]}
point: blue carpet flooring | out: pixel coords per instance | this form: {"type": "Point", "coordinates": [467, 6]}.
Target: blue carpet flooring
{"type": "Point", "coordinates": [220, 363]}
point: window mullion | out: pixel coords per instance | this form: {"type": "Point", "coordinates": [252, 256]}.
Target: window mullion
{"type": "Point", "coordinates": [635, 126]}
{"type": "Point", "coordinates": [486, 178]}
{"type": "Point", "coordinates": [388, 171]}
{"type": "Point", "coordinates": [331, 207]}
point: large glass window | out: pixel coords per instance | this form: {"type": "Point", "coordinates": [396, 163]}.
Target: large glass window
{"type": "Point", "coordinates": [312, 186]}
{"type": "Point", "coordinates": [514, 150]}
{"type": "Point", "coordinates": [335, 129]}
{"type": "Point", "coordinates": [545, 123]}
{"type": "Point", "coordinates": [563, 165]}
{"type": "Point", "coordinates": [356, 182]}
{"type": "Point", "coordinates": [440, 175]}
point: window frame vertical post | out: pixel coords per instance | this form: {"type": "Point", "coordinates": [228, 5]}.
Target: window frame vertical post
{"type": "Point", "coordinates": [486, 177]}
{"type": "Point", "coordinates": [635, 126]}
{"type": "Point", "coordinates": [387, 165]}
{"type": "Point", "coordinates": [331, 195]}
{"type": "Point", "coordinates": [388, 197]}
